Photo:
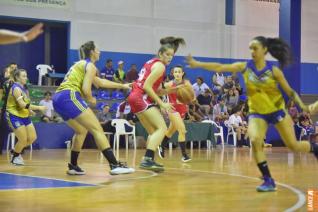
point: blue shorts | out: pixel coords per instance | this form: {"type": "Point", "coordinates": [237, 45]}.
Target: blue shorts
{"type": "Point", "coordinates": [15, 122]}
{"type": "Point", "coordinates": [69, 104]}
{"type": "Point", "coordinates": [271, 118]}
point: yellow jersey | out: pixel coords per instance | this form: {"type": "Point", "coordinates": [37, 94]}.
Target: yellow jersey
{"type": "Point", "coordinates": [12, 104]}
{"type": "Point", "coordinates": [263, 94]}
{"type": "Point", "coordinates": [74, 78]}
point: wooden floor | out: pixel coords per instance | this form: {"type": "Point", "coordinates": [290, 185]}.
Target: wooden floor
{"type": "Point", "coordinates": [214, 180]}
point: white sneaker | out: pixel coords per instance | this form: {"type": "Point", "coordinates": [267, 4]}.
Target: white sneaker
{"type": "Point", "coordinates": [120, 168]}
{"type": "Point", "coordinates": [17, 161]}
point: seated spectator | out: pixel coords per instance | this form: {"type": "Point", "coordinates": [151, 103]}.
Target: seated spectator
{"type": "Point", "coordinates": [220, 113]}
{"type": "Point", "coordinates": [229, 84]}
{"type": "Point", "coordinates": [239, 126]}
{"type": "Point", "coordinates": [49, 115]}
{"type": "Point", "coordinates": [108, 71]}
{"type": "Point", "coordinates": [218, 81]}
{"type": "Point", "coordinates": [105, 119]}
{"type": "Point", "coordinates": [120, 75]}
{"type": "Point", "coordinates": [304, 122]}
{"type": "Point", "coordinates": [132, 74]}
{"type": "Point", "coordinates": [195, 112]}
{"type": "Point", "coordinates": [292, 110]}
{"type": "Point", "coordinates": [232, 99]}
{"type": "Point", "coordinates": [200, 86]}
{"type": "Point", "coordinates": [205, 101]}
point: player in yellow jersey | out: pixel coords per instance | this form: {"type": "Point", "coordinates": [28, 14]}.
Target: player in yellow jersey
{"type": "Point", "coordinates": [69, 102]}
{"type": "Point", "coordinates": [18, 115]}
{"type": "Point", "coordinates": [265, 101]}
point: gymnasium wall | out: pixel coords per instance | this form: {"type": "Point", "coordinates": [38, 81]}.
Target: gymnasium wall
{"type": "Point", "coordinates": [130, 30]}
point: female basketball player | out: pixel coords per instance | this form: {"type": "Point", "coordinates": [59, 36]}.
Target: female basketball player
{"type": "Point", "coordinates": [18, 115]}
{"type": "Point", "coordinates": [70, 104]}
{"type": "Point", "coordinates": [143, 98]}
{"type": "Point", "coordinates": [265, 101]}
{"type": "Point", "coordinates": [176, 116]}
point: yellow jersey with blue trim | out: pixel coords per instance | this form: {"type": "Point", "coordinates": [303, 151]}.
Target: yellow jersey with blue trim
{"type": "Point", "coordinates": [12, 104]}
{"type": "Point", "coordinates": [263, 94]}
{"type": "Point", "coordinates": [74, 78]}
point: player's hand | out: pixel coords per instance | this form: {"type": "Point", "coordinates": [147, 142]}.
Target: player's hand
{"type": "Point", "coordinates": [167, 107]}
{"type": "Point", "coordinates": [33, 32]}
{"type": "Point", "coordinates": [42, 108]}
{"type": "Point", "coordinates": [92, 101]}
{"type": "Point", "coordinates": [127, 86]}
{"type": "Point", "coordinates": [192, 63]}
{"type": "Point", "coordinates": [32, 113]}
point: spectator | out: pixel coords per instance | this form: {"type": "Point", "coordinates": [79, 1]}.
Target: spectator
{"type": "Point", "coordinates": [239, 126]}
{"type": "Point", "coordinates": [292, 110]}
{"type": "Point", "coordinates": [200, 86]}
{"type": "Point", "coordinates": [229, 84]}
{"type": "Point", "coordinates": [220, 113]}
{"type": "Point", "coordinates": [132, 74]}
{"type": "Point", "coordinates": [195, 112]}
{"type": "Point", "coordinates": [49, 114]}
{"type": "Point", "coordinates": [232, 99]}
{"type": "Point", "coordinates": [218, 81]}
{"type": "Point", "coordinates": [304, 122]}
{"type": "Point", "coordinates": [108, 71]}
{"type": "Point", "coordinates": [120, 75]}
{"type": "Point", "coordinates": [205, 101]}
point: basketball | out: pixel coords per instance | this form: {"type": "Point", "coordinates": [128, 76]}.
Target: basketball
{"type": "Point", "coordinates": [185, 94]}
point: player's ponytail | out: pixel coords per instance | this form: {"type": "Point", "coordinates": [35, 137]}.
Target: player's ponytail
{"type": "Point", "coordinates": [278, 48]}
{"type": "Point", "coordinates": [170, 42]}
{"type": "Point", "coordinates": [85, 50]}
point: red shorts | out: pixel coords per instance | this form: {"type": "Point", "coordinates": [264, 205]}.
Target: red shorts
{"type": "Point", "coordinates": [181, 109]}
{"type": "Point", "coordinates": [139, 102]}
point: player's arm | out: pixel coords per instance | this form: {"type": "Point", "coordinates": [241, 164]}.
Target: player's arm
{"type": "Point", "coordinates": [156, 72]}
{"type": "Point", "coordinates": [90, 74]}
{"type": "Point", "coordinates": [17, 93]}
{"type": "Point", "coordinates": [9, 37]}
{"type": "Point", "coordinates": [217, 67]}
{"type": "Point", "coordinates": [279, 76]}
{"type": "Point", "coordinates": [166, 89]}
{"type": "Point", "coordinates": [104, 83]}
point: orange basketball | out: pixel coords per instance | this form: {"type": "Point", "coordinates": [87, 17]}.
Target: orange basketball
{"type": "Point", "coordinates": [186, 94]}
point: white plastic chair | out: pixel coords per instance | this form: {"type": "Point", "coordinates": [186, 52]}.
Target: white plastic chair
{"type": "Point", "coordinates": [11, 142]}
{"type": "Point", "coordinates": [43, 70]}
{"type": "Point", "coordinates": [216, 134]}
{"type": "Point", "coordinates": [230, 132]}
{"type": "Point", "coordinates": [119, 124]}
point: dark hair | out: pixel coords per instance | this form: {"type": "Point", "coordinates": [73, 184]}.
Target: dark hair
{"type": "Point", "coordinates": [170, 43]}
{"type": "Point", "coordinates": [85, 49]}
{"type": "Point", "coordinates": [179, 66]}
{"type": "Point", "coordinates": [278, 48]}
{"type": "Point", "coordinates": [200, 78]}
{"type": "Point", "coordinates": [47, 93]}
{"type": "Point", "coordinates": [16, 73]}
{"type": "Point", "coordinates": [109, 60]}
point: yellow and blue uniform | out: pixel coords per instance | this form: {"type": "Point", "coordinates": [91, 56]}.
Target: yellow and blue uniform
{"type": "Point", "coordinates": [68, 101]}
{"type": "Point", "coordinates": [265, 100]}
{"type": "Point", "coordinates": [17, 116]}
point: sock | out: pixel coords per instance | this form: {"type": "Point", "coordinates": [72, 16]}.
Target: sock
{"type": "Point", "coordinates": [183, 147]}
{"type": "Point", "coordinates": [74, 157]}
{"type": "Point", "coordinates": [15, 154]}
{"type": "Point", "coordinates": [150, 154]}
{"type": "Point", "coordinates": [109, 155]}
{"type": "Point", "coordinates": [264, 169]}
{"type": "Point", "coordinates": [165, 142]}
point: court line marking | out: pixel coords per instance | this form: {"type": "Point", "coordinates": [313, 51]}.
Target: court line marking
{"type": "Point", "coordinates": [301, 197]}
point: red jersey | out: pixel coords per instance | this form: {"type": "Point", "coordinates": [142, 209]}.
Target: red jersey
{"type": "Point", "coordinates": [138, 98]}
{"type": "Point", "coordinates": [179, 107]}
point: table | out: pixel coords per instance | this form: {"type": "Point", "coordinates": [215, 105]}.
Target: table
{"type": "Point", "coordinates": [196, 131]}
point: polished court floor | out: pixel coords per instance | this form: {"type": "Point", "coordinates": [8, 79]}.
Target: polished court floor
{"type": "Point", "coordinates": [215, 180]}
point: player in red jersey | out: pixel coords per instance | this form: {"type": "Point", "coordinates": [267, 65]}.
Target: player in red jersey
{"type": "Point", "coordinates": [176, 115]}
{"type": "Point", "coordinates": [143, 98]}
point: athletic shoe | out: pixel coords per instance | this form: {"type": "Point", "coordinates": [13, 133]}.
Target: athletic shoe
{"type": "Point", "coordinates": [75, 170]}
{"type": "Point", "coordinates": [185, 158]}
{"type": "Point", "coordinates": [268, 185]}
{"type": "Point", "coordinates": [161, 151]}
{"type": "Point", "coordinates": [18, 160]}
{"type": "Point", "coordinates": [149, 164]}
{"type": "Point", "coordinates": [120, 168]}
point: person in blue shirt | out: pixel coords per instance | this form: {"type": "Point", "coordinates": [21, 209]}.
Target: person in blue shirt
{"type": "Point", "coordinates": [108, 71]}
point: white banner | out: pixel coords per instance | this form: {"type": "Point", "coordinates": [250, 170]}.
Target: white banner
{"type": "Point", "coordinates": [62, 4]}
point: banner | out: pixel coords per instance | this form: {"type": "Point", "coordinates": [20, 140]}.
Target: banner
{"type": "Point", "coordinates": [61, 4]}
